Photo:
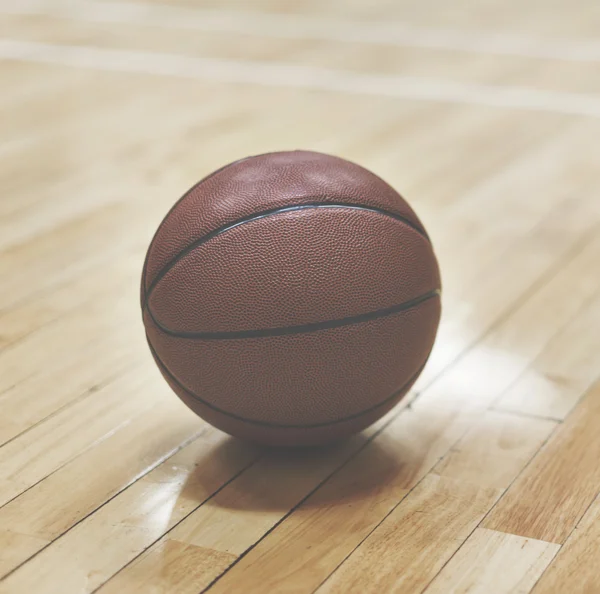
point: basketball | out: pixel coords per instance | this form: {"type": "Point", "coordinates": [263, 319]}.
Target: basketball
{"type": "Point", "coordinates": [291, 298]}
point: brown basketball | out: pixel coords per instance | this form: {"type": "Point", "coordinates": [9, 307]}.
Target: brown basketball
{"type": "Point", "coordinates": [291, 298]}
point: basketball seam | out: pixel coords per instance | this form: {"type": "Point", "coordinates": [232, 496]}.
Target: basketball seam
{"type": "Point", "coordinates": [263, 214]}
{"type": "Point", "coordinates": [300, 328]}
{"type": "Point", "coordinates": [404, 387]}
{"type": "Point", "coordinates": [172, 209]}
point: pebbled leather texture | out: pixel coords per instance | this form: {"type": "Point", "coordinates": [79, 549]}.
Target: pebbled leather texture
{"type": "Point", "coordinates": [291, 298]}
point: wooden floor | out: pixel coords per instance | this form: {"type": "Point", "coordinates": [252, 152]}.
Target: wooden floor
{"type": "Point", "coordinates": [485, 115]}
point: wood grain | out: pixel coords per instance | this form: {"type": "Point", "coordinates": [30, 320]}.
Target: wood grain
{"type": "Point", "coordinates": [493, 288]}
{"type": "Point", "coordinates": [474, 112]}
{"type": "Point", "coordinates": [494, 563]}
{"type": "Point", "coordinates": [575, 568]}
{"type": "Point", "coordinates": [507, 349]}
{"type": "Point", "coordinates": [35, 454]}
{"type": "Point", "coordinates": [508, 441]}
{"type": "Point", "coordinates": [236, 517]}
{"type": "Point", "coordinates": [556, 379]}
{"type": "Point", "coordinates": [359, 497]}
{"type": "Point", "coordinates": [172, 566]}
{"type": "Point", "coordinates": [549, 498]}
{"type": "Point", "coordinates": [125, 455]}
{"type": "Point", "coordinates": [431, 522]}
{"type": "Point", "coordinates": [126, 525]}
{"type": "Point", "coordinates": [399, 555]}
{"type": "Point", "coordinates": [42, 309]}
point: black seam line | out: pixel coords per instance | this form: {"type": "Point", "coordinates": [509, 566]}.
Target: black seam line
{"type": "Point", "coordinates": [162, 223]}
{"type": "Point", "coordinates": [301, 328]}
{"type": "Point", "coordinates": [398, 392]}
{"type": "Point", "coordinates": [194, 187]}
{"type": "Point", "coordinates": [267, 213]}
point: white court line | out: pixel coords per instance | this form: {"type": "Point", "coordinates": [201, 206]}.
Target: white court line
{"type": "Point", "coordinates": [277, 74]}
{"type": "Point", "coordinates": [305, 27]}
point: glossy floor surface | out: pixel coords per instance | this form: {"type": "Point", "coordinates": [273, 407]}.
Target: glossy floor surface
{"type": "Point", "coordinates": [485, 115]}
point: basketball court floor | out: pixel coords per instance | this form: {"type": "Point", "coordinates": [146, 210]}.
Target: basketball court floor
{"type": "Point", "coordinates": [484, 115]}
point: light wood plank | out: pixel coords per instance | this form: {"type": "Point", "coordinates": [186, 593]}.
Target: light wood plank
{"type": "Point", "coordinates": [556, 379]}
{"type": "Point", "coordinates": [37, 453]}
{"type": "Point", "coordinates": [173, 566]}
{"type": "Point", "coordinates": [415, 541]}
{"type": "Point", "coordinates": [128, 523]}
{"type": "Point", "coordinates": [464, 416]}
{"type": "Point", "coordinates": [507, 16]}
{"type": "Point", "coordinates": [487, 370]}
{"type": "Point", "coordinates": [92, 160]}
{"type": "Point", "coordinates": [507, 440]}
{"type": "Point", "coordinates": [243, 511]}
{"type": "Point", "coordinates": [16, 548]}
{"type": "Point", "coordinates": [549, 498]}
{"type": "Point", "coordinates": [497, 282]}
{"type": "Point", "coordinates": [107, 282]}
{"type": "Point", "coordinates": [136, 518]}
{"type": "Point", "coordinates": [575, 568]}
{"type": "Point", "coordinates": [51, 256]}
{"type": "Point", "coordinates": [494, 563]}
{"type": "Point", "coordinates": [417, 538]}
{"type": "Point", "coordinates": [124, 456]}
{"type": "Point", "coordinates": [102, 319]}
{"type": "Point", "coordinates": [352, 503]}
{"type": "Point", "coordinates": [98, 329]}
{"type": "Point", "coordinates": [353, 46]}
{"type": "Point", "coordinates": [72, 380]}
{"type": "Point", "coordinates": [67, 196]}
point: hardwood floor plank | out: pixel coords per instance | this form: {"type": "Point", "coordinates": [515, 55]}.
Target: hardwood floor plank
{"type": "Point", "coordinates": [16, 548]}
{"type": "Point", "coordinates": [39, 452]}
{"type": "Point", "coordinates": [556, 379]}
{"type": "Point", "coordinates": [105, 283]}
{"type": "Point", "coordinates": [128, 523]}
{"type": "Point", "coordinates": [34, 266]}
{"type": "Point", "coordinates": [92, 345]}
{"type": "Point", "coordinates": [507, 440]}
{"type": "Point", "coordinates": [123, 457]}
{"type": "Point", "coordinates": [549, 498]}
{"type": "Point", "coordinates": [330, 524]}
{"type": "Point", "coordinates": [41, 396]}
{"type": "Point", "coordinates": [461, 412]}
{"type": "Point", "coordinates": [172, 566]}
{"type": "Point", "coordinates": [493, 289]}
{"type": "Point", "coordinates": [108, 483]}
{"type": "Point", "coordinates": [405, 551]}
{"type": "Point", "coordinates": [494, 563]}
{"type": "Point", "coordinates": [490, 368]}
{"type": "Point", "coordinates": [244, 510]}
{"type": "Point", "coordinates": [411, 546]}
{"type": "Point", "coordinates": [575, 568]}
